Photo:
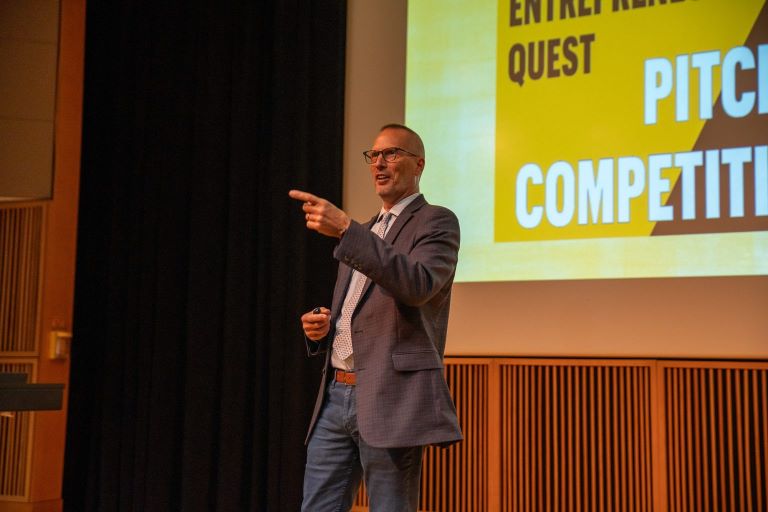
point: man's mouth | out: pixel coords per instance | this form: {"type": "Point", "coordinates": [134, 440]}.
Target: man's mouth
{"type": "Point", "coordinates": [381, 178]}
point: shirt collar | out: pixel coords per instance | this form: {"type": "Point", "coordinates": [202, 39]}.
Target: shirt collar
{"type": "Point", "coordinates": [398, 208]}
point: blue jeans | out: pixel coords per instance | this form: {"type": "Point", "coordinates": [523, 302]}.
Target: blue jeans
{"type": "Point", "coordinates": [337, 459]}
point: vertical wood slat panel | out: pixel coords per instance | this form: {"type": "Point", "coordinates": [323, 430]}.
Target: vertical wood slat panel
{"type": "Point", "coordinates": [673, 419]}
{"type": "Point", "coordinates": [600, 441]}
{"type": "Point", "coordinates": [740, 489]}
{"type": "Point", "coordinates": [581, 435]}
{"type": "Point", "coordinates": [761, 472]}
{"type": "Point", "coordinates": [559, 443]}
{"type": "Point", "coordinates": [719, 446]}
{"type": "Point", "coordinates": [722, 477]}
{"type": "Point", "coordinates": [21, 234]}
{"type": "Point", "coordinates": [706, 447]}
{"type": "Point", "coordinates": [593, 441]}
{"type": "Point", "coordinates": [729, 439]}
{"type": "Point", "coordinates": [459, 473]}
{"type": "Point", "coordinates": [21, 239]}
{"type": "Point", "coordinates": [581, 442]}
{"type": "Point", "coordinates": [15, 440]}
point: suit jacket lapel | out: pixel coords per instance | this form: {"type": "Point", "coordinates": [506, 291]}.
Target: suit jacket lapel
{"type": "Point", "coordinates": [400, 221]}
{"type": "Point", "coordinates": [403, 219]}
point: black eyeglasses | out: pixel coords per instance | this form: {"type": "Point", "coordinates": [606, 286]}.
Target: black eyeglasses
{"type": "Point", "coordinates": [389, 154]}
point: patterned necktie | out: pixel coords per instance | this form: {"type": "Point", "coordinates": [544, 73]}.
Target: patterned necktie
{"type": "Point", "coordinates": [342, 343]}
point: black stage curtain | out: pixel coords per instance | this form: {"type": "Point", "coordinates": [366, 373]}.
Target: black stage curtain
{"type": "Point", "coordinates": [190, 386]}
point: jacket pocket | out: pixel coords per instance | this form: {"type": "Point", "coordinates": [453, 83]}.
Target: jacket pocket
{"type": "Point", "coordinates": [412, 361]}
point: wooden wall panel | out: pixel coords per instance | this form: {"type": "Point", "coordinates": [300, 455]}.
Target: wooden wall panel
{"type": "Point", "coordinates": [21, 249]}
{"type": "Point", "coordinates": [716, 432]}
{"type": "Point", "coordinates": [21, 236]}
{"type": "Point", "coordinates": [576, 436]}
{"type": "Point", "coordinates": [602, 435]}
{"type": "Point", "coordinates": [455, 478]}
{"type": "Point", "coordinates": [15, 440]}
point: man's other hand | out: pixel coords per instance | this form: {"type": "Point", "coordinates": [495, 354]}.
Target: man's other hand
{"type": "Point", "coordinates": [316, 323]}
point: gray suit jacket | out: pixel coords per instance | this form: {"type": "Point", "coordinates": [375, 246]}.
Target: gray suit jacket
{"type": "Point", "coordinates": [399, 327]}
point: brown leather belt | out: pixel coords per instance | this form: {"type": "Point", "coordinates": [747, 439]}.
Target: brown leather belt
{"type": "Point", "coordinates": [347, 378]}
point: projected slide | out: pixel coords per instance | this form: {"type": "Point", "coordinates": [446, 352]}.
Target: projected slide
{"type": "Point", "coordinates": [583, 139]}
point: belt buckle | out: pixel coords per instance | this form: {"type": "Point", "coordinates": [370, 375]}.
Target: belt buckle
{"type": "Point", "coordinates": [347, 378]}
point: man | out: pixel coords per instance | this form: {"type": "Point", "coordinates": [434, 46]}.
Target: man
{"type": "Point", "coordinates": [383, 394]}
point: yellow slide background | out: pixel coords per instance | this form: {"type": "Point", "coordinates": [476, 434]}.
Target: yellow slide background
{"type": "Point", "coordinates": [600, 114]}
{"type": "Point", "coordinates": [479, 128]}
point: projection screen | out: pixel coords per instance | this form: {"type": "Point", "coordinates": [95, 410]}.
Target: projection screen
{"type": "Point", "coordinates": [608, 161]}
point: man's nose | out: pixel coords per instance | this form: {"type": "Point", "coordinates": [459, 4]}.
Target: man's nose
{"type": "Point", "coordinates": [380, 162]}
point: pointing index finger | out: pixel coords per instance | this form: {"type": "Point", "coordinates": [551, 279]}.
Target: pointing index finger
{"type": "Point", "coordinates": [300, 195]}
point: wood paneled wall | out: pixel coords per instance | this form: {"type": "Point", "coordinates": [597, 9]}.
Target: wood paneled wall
{"type": "Point", "coordinates": [575, 437]}
{"type": "Point", "coordinates": [16, 440]}
{"type": "Point", "coordinates": [21, 249]}
{"type": "Point", "coordinates": [716, 436]}
{"type": "Point", "coordinates": [21, 245]}
{"type": "Point", "coordinates": [37, 270]}
{"type": "Point", "coordinates": [602, 435]}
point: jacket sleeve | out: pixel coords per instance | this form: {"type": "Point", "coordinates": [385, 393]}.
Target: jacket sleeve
{"type": "Point", "coordinates": [414, 270]}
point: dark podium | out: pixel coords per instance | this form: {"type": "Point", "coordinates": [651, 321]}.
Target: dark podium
{"type": "Point", "coordinates": [18, 395]}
